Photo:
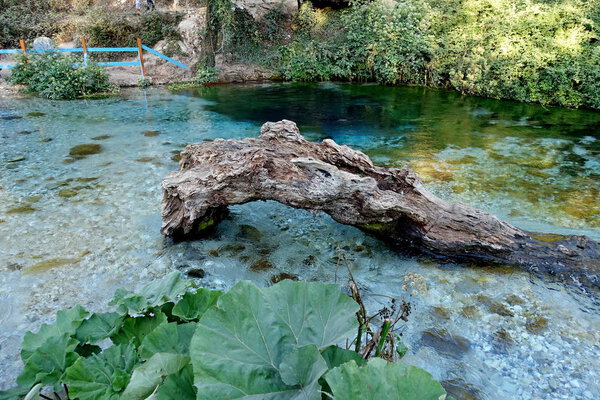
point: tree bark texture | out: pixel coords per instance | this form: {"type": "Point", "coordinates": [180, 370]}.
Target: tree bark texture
{"type": "Point", "coordinates": [391, 204]}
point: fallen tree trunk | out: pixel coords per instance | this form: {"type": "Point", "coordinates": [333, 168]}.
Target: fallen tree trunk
{"type": "Point", "coordinates": [391, 204]}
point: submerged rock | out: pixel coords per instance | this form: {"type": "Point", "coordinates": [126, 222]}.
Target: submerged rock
{"type": "Point", "coordinates": [446, 343]}
{"type": "Point", "coordinates": [101, 137]}
{"type": "Point", "coordinates": [176, 155]}
{"type": "Point", "coordinates": [261, 265]}
{"type": "Point", "coordinates": [536, 324]}
{"type": "Point", "coordinates": [24, 209]}
{"type": "Point", "coordinates": [500, 309]}
{"type": "Point", "coordinates": [469, 311]}
{"type": "Point", "coordinates": [503, 340]}
{"type": "Point", "coordinates": [45, 265]}
{"type": "Point", "coordinates": [249, 232]}
{"type": "Point", "coordinates": [283, 276]}
{"type": "Point", "coordinates": [461, 390]}
{"type": "Point", "coordinates": [151, 133]}
{"type": "Point", "coordinates": [196, 273]}
{"type": "Point", "coordinates": [67, 193]}
{"type": "Point", "coordinates": [84, 150]}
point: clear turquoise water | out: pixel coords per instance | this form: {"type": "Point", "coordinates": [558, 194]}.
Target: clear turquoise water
{"type": "Point", "coordinates": [536, 167]}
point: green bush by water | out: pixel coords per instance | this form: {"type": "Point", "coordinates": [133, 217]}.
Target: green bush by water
{"type": "Point", "coordinates": [53, 76]}
{"type": "Point", "coordinates": [175, 341]}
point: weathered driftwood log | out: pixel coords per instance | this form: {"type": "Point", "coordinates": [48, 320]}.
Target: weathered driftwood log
{"type": "Point", "coordinates": [391, 204]}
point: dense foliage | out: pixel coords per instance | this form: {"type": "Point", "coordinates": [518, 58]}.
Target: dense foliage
{"type": "Point", "coordinates": [536, 51]}
{"type": "Point", "coordinates": [56, 76]}
{"type": "Point", "coordinates": [174, 341]}
{"type": "Point", "coordinates": [26, 19]}
{"type": "Point", "coordinates": [66, 20]}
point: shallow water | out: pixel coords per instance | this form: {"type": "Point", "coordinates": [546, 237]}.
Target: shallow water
{"type": "Point", "coordinates": [75, 228]}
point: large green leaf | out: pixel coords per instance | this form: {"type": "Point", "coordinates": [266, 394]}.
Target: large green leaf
{"type": "Point", "coordinates": [380, 380]}
{"type": "Point", "coordinates": [169, 288]}
{"type": "Point", "coordinates": [67, 322]}
{"type": "Point", "coordinates": [148, 376]}
{"type": "Point", "coordinates": [336, 356]}
{"type": "Point", "coordinates": [49, 361]}
{"type": "Point", "coordinates": [134, 330]}
{"type": "Point", "coordinates": [168, 338]}
{"type": "Point", "coordinates": [315, 313]}
{"type": "Point", "coordinates": [102, 376]}
{"type": "Point", "coordinates": [302, 368]}
{"type": "Point", "coordinates": [240, 345]}
{"type": "Point", "coordinates": [14, 393]}
{"type": "Point", "coordinates": [194, 304]}
{"type": "Point", "coordinates": [98, 327]}
{"type": "Point", "coordinates": [178, 386]}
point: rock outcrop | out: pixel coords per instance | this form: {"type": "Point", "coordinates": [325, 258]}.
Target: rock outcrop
{"type": "Point", "coordinates": [391, 204]}
{"type": "Point", "coordinates": [258, 8]}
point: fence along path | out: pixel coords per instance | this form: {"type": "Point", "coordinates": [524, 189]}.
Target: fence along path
{"type": "Point", "coordinates": [86, 50]}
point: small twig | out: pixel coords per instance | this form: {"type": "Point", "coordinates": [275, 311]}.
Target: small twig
{"type": "Point", "coordinates": [45, 397]}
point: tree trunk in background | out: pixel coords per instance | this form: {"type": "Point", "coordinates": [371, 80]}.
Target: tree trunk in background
{"type": "Point", "coordinates": [391, 204]}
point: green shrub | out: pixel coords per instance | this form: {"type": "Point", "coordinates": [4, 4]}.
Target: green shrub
{"type": "Point", "coordinates": [54, 76]}
{"type": "Point", "coordinates": [207, 74]}
{"type": "Point", "coordinates": [175, 341]}
{"type": "Point", "coordinates": [26, 19]}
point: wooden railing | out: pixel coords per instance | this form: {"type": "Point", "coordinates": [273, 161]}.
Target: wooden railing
{"type": "Point", "coordinates": [86, 50]}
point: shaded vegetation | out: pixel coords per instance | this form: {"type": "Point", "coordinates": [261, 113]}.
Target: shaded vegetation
{"type": "Point", "coordinates": [543, 51]}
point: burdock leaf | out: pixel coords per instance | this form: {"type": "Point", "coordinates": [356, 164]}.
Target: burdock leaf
{"type": "Point", "coordinates": [67, 322]}
{"type": "Point", "coordinates": [336, 356]}
{"type": "Point", "coordinates": [49, 361]}
{"type": "Point", "coordinates": [178, 386]}
{"type": "Point", "coordinates": [102, 376]}
{"type": "Point", "coordinates": [168, 338]}
{"type": "Point", "coordinates": [240, 345]}
{"type": "Point", "coordinates": [134, 330]}
{"type": "Point", "coordinates": [194, 304]}
{"type": "Point", "coordinates": [169, 288]}
{"type": "Point", "coordinates": [148, 376]}
{"type": "Point", "coordinates": [381, 380]}
{"type": "Point", "coordinates": [98, 327]}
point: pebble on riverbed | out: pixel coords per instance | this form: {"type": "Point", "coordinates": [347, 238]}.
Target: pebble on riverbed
{"type": "Point", "coordinates": [83, 150]}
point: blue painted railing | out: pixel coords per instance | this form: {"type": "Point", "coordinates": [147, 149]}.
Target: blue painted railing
{"type": "Point", "coordinates": [85, 50]}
